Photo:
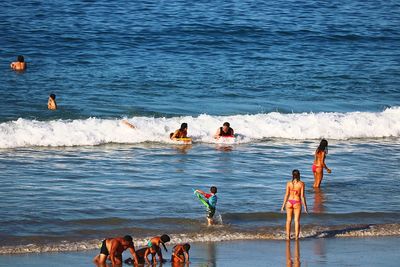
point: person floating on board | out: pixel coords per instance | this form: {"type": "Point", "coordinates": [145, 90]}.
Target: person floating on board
{"type": "Point", "coordinates": [51, 102]}
{"type": "Point", "coordinates": [156, 242]}
{"type": "Point", "coordinates": [142, 256]}
{"type": "Point", "coordinates": [180, 253]}
{"type": "Point", "coordinates": [180, 133]}
{"type": "Point", "coordinates": [112, 249]}
{"type": "Point", "coordinates": [224, 131]}
{"type": "Point", "coordinates": [210, 203]}
{"type": "Point", "coordinates": [19, 65]}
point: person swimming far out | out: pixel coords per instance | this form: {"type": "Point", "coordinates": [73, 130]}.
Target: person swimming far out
{"type": "Point", "coordinates": [294, 198]}
{"type": "Point", "coordinates": [224, 131]}
{"type": "Point", "coordinates": [319, 163]}
{"type": "Point", "coordinates": [20, 64]}
{"type": "Point", "coordinates": [180, 133]}
{"type": "Point", "coordinates": [51, 102]}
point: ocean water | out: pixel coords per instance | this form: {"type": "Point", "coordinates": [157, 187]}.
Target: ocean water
{"type": "Point", "coordinates": [284, 73]}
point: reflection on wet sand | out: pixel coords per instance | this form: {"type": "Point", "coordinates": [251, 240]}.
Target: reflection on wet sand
{"type": "Point", "coordinates": [295, 260]}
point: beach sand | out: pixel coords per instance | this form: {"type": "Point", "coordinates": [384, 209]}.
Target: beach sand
{"type": "Point", "coordinates": [379, 251]}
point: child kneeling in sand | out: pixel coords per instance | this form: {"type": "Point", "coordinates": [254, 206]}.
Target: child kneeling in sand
{"type": "Point", "coordinates": [180, 253]}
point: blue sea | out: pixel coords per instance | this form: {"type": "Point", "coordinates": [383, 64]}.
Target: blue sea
{"type": "Point", "coordinates": [285, 74]}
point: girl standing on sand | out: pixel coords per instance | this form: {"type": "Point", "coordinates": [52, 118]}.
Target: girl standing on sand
{"type": "Point", "coordinates": [319, 163]}
{"type": "Point", "coordinates": [293, 199]}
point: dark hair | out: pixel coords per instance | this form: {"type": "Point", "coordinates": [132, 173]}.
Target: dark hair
{"type": "Point", "coordinates": [20, 58]}
{"type": "Point", "coordinates": [165, 238]}
{"type": "Point", "coordinates": [323, 146]}
{"type": "Point", "coordinates": [186, 246]}
{"type": "Point", "coordinates": [213, 189]}
{"type": "Point", "coordinates": [53, 96]}
{"type": "Point", "coordinates": [128, 238]}
{"type": "Point", "coordinates": [183, 126]}
{"type": "Point", "coordinates": [296, 175]}
{"type": "Point", "coordinates": [226, 124]}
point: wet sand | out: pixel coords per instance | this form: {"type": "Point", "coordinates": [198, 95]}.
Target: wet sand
{"type": "Point", "coordinates": [378, 251]}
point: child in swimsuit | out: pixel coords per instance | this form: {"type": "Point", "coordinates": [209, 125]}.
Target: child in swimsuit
{"type": "Point", "coordinates": [212, 203]}
{"type": "Point", "coordinates": [180, 253]}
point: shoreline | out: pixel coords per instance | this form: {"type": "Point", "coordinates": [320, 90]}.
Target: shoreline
{"type": "Point", "coordinates": [365, 251]}
{"type": "Point", "coordinates": [219, 234]}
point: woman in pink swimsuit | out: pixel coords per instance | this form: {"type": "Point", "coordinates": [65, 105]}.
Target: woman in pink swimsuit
{"type": "Point", "coordinates": [319, 163]}
{"type": "Point", "coordinates": [293, 199]}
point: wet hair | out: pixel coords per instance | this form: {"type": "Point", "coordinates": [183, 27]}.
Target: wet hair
{"type": "Point", "coordinates": [128, 238]}
{"type": "Point", "coordinates": [183, 126]}
{"type": "Point", "coordinates": [226, 124]}
{"type": "Point", "coordinates": [296, 175]}
{"type": "Point", "coordinates": [186, 246]}
{"type": "Point", "coordinates": [213, 189]}
{"type": "Point", "coordinates": [20, 58]}
{"type": "Point", "coordinates": [53, 96]}
{"type": "Point", "coordinates": [165, 238]}
{"type": "Point", "coordinates": [323, 146]}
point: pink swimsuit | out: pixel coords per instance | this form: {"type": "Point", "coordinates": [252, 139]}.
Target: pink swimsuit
{"type": "Point", "coordinates": [293, 201]}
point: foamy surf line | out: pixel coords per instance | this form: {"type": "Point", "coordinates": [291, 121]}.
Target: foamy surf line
{"type": "Point", "coordinates": [249, 128]}
{"type": "Point", "coordinates": [215, 235]}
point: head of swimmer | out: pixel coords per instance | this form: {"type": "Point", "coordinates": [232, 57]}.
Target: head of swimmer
{"type": "Point", "coordinates": [20, 58]}
{"type": "Point", "coordinates": [213, 189]}
{"type": "Point", "coordinates": [127, 241]}
{"type": "Point", "coordinates": [165, 238]}
{"type": "Point", "coordinates": [184, 126]}
{"type": "Point", "coordinates": [323, 146]}
{"type": "Point", "coordinates": [186, 246]}
{"type": "Point", "coordinates": [225, 126]}
{"type": "Point", "coordinates": [295, 175]}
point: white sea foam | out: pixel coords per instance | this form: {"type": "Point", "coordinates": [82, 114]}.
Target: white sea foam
{"type": "Point", "coordinates": [249, 128]}
{"type": "Point", "coordinates": [217, 235]}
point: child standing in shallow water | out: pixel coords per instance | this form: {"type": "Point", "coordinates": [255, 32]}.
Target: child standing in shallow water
{"type": "Point", "coordinates": [212, 203]}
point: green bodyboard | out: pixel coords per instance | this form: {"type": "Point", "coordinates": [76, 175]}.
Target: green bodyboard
{"type": "Point", "coordinates": [202, 200]}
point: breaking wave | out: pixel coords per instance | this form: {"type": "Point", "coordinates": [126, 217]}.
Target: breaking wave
{"type": "Point", "coordinates": [219, 234]}
{"type": "Point", "coordinates": [249, 128]}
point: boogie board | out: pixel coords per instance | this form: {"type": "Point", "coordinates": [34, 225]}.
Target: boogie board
{"type": "Point", "coordinates": [201, 199]}
{"type": "Point", "coordinates": [185, 140]}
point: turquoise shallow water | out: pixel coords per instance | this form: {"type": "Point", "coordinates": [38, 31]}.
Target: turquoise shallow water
{"type": "Point", "coordinates": [285, 74]}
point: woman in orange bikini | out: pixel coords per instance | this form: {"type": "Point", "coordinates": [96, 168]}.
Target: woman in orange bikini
{"type": "Point", "coordinates": [319, 163]}
{"type": "Point", "coordinates": [293, 199]}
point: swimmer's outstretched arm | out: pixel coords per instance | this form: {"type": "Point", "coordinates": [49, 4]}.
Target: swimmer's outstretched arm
{"type": "Point", "coordinates": [128, 124]}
